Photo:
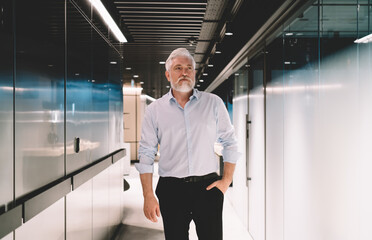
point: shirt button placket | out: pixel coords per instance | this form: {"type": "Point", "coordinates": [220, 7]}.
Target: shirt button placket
{"type": "Point", "coordinates": [187, 125]}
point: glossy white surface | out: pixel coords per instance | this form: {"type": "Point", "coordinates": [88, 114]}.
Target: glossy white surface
{"type": "Point", "coordinates": [256, 158]}
{"type": "Point", "coordinates": [274, 162]}
{"type": "Point", "coordinates": [239, 193]}
{"type": "Point", "coordinates": [79, 212]}
{"type": "Point", "coordinates": [47, 225]}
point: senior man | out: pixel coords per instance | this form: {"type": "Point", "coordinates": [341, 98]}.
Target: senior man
{"type": "Point", "coordinates": [186, 123]}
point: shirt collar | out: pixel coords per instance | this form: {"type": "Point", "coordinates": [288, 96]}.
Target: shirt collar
{"type": "Point", "coordinates": [195, 94]}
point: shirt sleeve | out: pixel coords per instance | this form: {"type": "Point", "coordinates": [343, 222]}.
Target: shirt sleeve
{"type": "Point", "coordinates": [226, 134]}
{"type": "Point", "coordinates": [148, 145]}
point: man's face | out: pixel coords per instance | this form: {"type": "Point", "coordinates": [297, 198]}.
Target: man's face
{"type": "Point", "coordinates": [181, 74]}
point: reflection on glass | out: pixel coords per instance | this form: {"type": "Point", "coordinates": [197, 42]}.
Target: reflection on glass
{"type": "Point", "coordinates": [256, 208]}
{"type": "Point", "coordinates": [39, 94]}
{"type": "Point", "coordinates": [318, 125]}
{"type": "Point", "coordinates": [6, 106]}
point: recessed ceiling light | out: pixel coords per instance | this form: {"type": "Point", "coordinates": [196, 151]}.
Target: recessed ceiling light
{"type": "Point", "coordinates": [135, 76]}
{"type": "Point", "coordinates": [205, 74]}
{"type": "Point", "coordinates": [210, 65]}
{"type": "Point", "coordinates": [201, 80]}
{"type": "Point", "coordinates": [161, 62]}
{"type": "Point", "coordinates": [128, 68]}
{"type": "Point", "coordinates": [142, 82]}
{"type": "Point", "coordinates": [113, 63]}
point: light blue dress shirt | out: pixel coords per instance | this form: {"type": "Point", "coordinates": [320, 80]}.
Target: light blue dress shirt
{"type": "Point", "coordinates": [186, 136]}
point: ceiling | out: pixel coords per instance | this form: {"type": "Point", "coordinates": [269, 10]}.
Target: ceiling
{"type": "Point", "coordinates": [155, 28]}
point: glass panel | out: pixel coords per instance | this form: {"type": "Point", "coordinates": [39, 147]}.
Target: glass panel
{"type": "Point", "coordinates": [240, 111]}
{"type": "Point", "coordinates": [274, 141]}
{"type": "Point", "coordinates": [363, 191]}
{"type": "Point", "coordinates": [115, 102]}
{"type": "Point", "coordinates": [39, 96]}
{"type": "Point", "coordinates": [338, 124]}
{"type": "Point", "coordinates": [6, 99]}
{"type": "Point", "coordinates": [100, 105]}
{"type": "Point", "coordinates": [256, 170]}
{"type": "Point", "coordinates": [299, 104]}
{"type": "Point", "coordinates": [78, 90]}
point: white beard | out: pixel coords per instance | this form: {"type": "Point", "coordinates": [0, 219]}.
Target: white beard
{"type": "Point", "coordinates": [186, 86]}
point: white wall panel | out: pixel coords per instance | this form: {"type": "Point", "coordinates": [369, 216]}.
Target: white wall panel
{"type": "Point", "coordinates": [47, 225]}
{"type": "Point", "coordinates": [79, 213]}
{"type": "Point", "coordinates": [101, 206]}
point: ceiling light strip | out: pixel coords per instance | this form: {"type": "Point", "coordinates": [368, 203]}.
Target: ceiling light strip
{"type": "Point", "coordinates": [160, 27]}
{"type": "Point", "coordinates": [162, 20]}
{"type": "Point", "coordinates": [149, 24]}
{"type": "Point", "coordinates": [159, 31]}
{"type": "Point", "coordinates": [108, 19]}
{"type": "Point", "coordinates": [163, 3]}
{"type": "Point", "coordinates": [365, 39]}
{"type": "Point", "coordinates": [163, 8]}
{"type": "Point", "coordinates": [159, 12]}
{"type": "Point", "coordinates": [160, 16]}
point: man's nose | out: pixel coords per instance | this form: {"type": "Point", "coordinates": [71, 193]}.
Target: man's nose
{"type": "Point", "coordinates": [184, 72]}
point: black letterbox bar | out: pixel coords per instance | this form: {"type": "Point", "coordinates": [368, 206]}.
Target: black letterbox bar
{"type": "Point", "coordinates": [10, 220]}
{"type": "Point", "coordinates": [37, 204]}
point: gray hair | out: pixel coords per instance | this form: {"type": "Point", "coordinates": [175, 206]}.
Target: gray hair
{"type": "Point", "coordinates": [179, 52]}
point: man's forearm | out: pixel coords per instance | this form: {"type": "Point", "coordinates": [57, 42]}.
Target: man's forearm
{"type": "Point", "coordinates": [228, 171]}
{"type": "Point", "coordinates": [146, 181]}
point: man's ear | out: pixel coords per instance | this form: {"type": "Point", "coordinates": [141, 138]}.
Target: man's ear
{"type": "Point", "coordinates": [167, 75]}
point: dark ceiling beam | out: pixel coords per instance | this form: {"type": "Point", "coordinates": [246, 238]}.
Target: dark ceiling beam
{"type": "Point", "coordinates": [227, 16]}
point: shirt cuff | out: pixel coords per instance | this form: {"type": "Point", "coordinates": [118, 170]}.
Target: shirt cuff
{"type": "Point", "coordinates": [230, 156]}
{"type": "Point", "coordinates": [146, 165]}
{"type": "Point", "coordinates": [144, 168]}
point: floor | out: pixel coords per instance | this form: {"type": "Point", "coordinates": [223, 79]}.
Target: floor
{"type": "Point", "coordinates": [136, 226]}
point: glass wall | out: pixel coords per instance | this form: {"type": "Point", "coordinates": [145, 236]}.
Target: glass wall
{"type": "Point", "coordinates": [315, 156]}
{"type": "Point", "coordinates": [240, 112]}
{"type": "Point", "coordinates": [60, 79]}
{"type": "Point", "coordinates": [6, 106]}
{"type": "Point", "coordinates": [256, 145]}
{"type": "Point", "coordinates": [39, 94]}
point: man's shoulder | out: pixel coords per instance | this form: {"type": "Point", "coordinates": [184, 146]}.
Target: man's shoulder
{"type": "Point", "coordinates": [159, 101]}
{"type": "Point", "coordinates": [210, 96]}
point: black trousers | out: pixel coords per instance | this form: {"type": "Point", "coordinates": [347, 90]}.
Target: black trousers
{"type": "Point", "coordinates": [181, 201]}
